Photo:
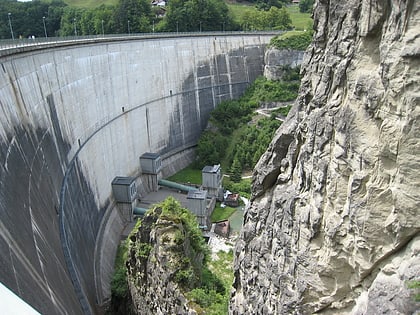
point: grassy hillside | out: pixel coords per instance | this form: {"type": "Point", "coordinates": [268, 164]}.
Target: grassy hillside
{"type": "Point", "coordinates": [300, 21]}
{"type": "Point", "coordinates": [89, 3]}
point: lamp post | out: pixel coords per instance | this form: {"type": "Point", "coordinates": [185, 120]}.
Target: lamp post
{"type": "Point", "coordinates": [103, 32]}
{"type": "Point", "coordinates": [177, 27]}
{"type": "Point", "coordinates": [128, 26]}
{"type": "Point", "coordinates": [200, 26]}
{"type": "Point", "coordinates": [10, 24]}
{"type": "Point", "coordinates": [153, 25]}
{"type": "Point", "coordinates": [75, 29]}
{"type": "Point", "coordinates": [45, 29]}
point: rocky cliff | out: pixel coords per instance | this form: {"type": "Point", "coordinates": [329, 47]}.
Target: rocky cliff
{"type": "Point", "coordinates": [333, 226]}
{"type": "Point", "coordinates": [164, 260]}
{"type": "Point", "coordinates": [276, 61]}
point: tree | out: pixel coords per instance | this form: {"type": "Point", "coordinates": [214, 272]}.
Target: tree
{"type": "Point", "coordinates": [211, 147]}
{"type": "Point", "coordinates": [306, 6]}
{"type": "Point", "coordinates": [27, 18]}
{"type": "Point", "coordinates": [133, 16]}
{"type": "Point", "coordinates": [274, 18]}
{"type": "Point", "coordinates": [71, 22]}
{"type": "Point", "coordinates": [236, 171]}
{"type": "Point", "coordinates": [266, 5]}
{"type": "Point", "coordinates": [197, 15]}
{"type": "Point", "coordinates": [284, 20]}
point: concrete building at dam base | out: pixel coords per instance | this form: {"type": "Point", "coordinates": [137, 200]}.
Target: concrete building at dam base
{"type": "Point", "coordinates": [86, 128]}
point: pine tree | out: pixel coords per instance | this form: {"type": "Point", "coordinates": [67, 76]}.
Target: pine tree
{"type": "Point", "coordinates": [236, 170]}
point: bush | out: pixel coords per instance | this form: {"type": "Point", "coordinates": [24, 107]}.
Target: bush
{"type": "Point", "coordinates": [415, 286]}
{"type": "Point", "coordinates": [184, 277]}
{"type": "Point", "coordinates": [306, 6]}
{"type": "Point", "coordinates": [243, 187]}
{"type": "Point", "coordinates": [119, 285]}
{"type": "Point", "coordinates": [292, 40]}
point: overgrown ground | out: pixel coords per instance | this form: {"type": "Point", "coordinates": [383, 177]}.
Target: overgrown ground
{"type": "Point", "coordinates": [89, 4]}
{"type": "Point", "coordinates": [300, 21]}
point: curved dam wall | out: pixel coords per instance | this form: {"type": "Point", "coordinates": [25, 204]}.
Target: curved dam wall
{"type": "Point", "coordinates": [74, 117]}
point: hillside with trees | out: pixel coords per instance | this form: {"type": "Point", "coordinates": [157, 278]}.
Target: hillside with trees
{"type": "Point", "coordinates": [76, 18]}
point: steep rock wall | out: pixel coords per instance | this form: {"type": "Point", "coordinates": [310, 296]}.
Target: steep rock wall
{"type": "Point", "coordinates": [333, 226]}
{"type": "Point", "coordinates": [162, 264]}
{"type": "Point", "coordinates": [276, 60]}
{"type": "Point", "coordinates": [71, 119]}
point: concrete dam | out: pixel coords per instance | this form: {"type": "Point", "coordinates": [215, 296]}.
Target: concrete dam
{"type": "Point", "coordinates": [75, 116]}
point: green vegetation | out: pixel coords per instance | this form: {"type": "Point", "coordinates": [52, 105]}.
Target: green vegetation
{"type": "Point", "coordinates": [272, 19]}
{"type": "Point", "coordinates": [119, 286]}
{"type": "Point", "coordinates": [283, 111]}
{"type": "Point", "coordinates": [306, 6]}
{"type": "Point", "coordinates": [197, 15]}
{"type": "Point", "coordinates": [231, 138]}
{"type": "Point", "coordinates": [172, 211]}
{"type": "Point", "coordinates": [188, 175]}
{"type": "Point", "coordinates": [202, 285]}
{"type": "Point", "coordinates": [91, 17]}
{"type": "Point", "coordinates": [415, 286]}
{"type": "Point", "coordinates": [243, 187]}
{"type": "Point", "coordinates": [90, 4]}
{"type": "Point", "coordinates": [292, 40]}
{"type": "Point", "coordinates": [243, 12]}
{"type": "Point", "coordinates": [213, 298]}
{"type": "Point", "coordinates": [301, 21]}
{"type": "Point", "coordinates": [222, 267]}
{"type": "Point", "coordinates": [220, 214]}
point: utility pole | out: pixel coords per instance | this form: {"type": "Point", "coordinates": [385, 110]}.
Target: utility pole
{"type": "Point", "coordinates": [10, 24]}
{"type": "Point", "coordinates": [45, 29]}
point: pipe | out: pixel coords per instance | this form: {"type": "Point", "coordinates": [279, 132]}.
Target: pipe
{"type": "Point", "coordinates": [139, 211]}
{"type": "Point", "coordinates": [169, 184]}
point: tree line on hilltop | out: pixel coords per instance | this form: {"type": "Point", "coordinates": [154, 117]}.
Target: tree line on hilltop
{"type": "Point", "coordinates": [56, 18]}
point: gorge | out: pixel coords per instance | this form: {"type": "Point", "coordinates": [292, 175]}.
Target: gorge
{"type": "Point", "coordinates": [333, 225]}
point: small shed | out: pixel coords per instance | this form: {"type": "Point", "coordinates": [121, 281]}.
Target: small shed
{"type": "Point", "coordinates": [212, 176]}
{"type": "Point", "coordinates": [212, 181]}
{"type": "Point", "coordinates": [197, 203]}
{"type": "Point", "coordinates": [222, 228]}
{"type": "Point", "coordinates": [150, 163]}
{"type": "Point", "coordinates": [124, 189]}
{"type": "Point", "coordinates": [232, 200]}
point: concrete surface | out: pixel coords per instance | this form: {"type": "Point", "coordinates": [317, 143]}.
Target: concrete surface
{"type": "Point", "coordinates": [71, 119]}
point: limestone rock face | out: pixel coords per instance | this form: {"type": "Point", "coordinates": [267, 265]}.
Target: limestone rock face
{"type": "Point", "coordinates": [276, 60]}
{"type": "Point", "coordinates": [333, 225]}
{"type": "Point", "coordinates": [158, 252]}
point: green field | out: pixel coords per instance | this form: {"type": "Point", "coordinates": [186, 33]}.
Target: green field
{"type": "Point", "coordinates": [301, 21]}
{"type": "Point", "coordinates": [187, 175]}
{"type": "Point", "coordinates": [221, 214]}
{"type": "Point", "coordinates": [89, 4]}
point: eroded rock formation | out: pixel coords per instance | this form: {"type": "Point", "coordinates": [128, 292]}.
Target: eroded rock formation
{"type": "Point", "coordinates": [333, 226]}
{"type": "Point", "coordinates": [163, 262]}
{"type": "Point", "coordinates": [277, 60]}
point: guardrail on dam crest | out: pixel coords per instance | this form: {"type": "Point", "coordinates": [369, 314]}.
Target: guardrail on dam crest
{"type": "Point", "coordinates": [76, 115]}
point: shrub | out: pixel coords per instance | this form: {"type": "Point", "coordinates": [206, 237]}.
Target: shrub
{"type": "Point", "coordinates": [119, 285]}
{"type": "Point", "coordinates": [292, 40]}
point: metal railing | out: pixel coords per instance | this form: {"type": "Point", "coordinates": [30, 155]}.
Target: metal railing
{"type": "Point", "coordinates": [9, 46]}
